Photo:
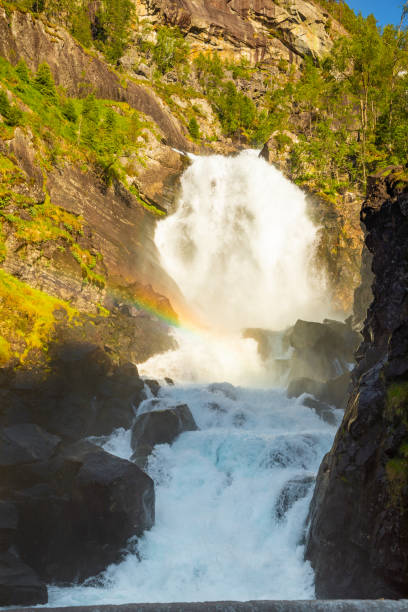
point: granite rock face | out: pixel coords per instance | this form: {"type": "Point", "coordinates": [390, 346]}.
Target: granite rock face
{"type": "Point", "coordinates": [259, 31]}
{"type": "Point", "coordinates": [358, 535]}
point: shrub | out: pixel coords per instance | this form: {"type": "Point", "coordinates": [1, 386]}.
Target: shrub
{"type": "Point", "coordinates": [171, 49]}
{"type": "Point", "coordinates": [23, 72]}
{"type": "Point", "coordinates": [69, 111]}
{"type": "Point", "coordinates": [193, 128]}
{"type": "Point", "coordinates": [12, 114]}
{"type": "Point", "coordinates": [44, 81]}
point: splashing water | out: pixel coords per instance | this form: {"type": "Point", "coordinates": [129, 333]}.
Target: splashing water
{"type": "Point", "coordinates": [241, 248]}
{"type": "Point", "coordinates": [231, 498]}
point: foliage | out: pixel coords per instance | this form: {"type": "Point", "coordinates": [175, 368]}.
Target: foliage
{"type": "Point", "coordinates": [171, 49]}
{"type": "Point", "coordinates": [193, 128]}
{"type": "Point", "coordinates": [107, 27]}
{"type": "Point", "coordinates": [350, 112]}
{"type": "Point", "coordinates": [11, 113]}
{"type": "Point", "coordinates": [44, 81]}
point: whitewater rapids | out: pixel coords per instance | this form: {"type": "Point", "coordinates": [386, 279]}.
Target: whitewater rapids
{"type": "Point", "coordinates": [232, 498]}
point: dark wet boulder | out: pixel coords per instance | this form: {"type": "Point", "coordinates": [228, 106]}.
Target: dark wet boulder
{"type": "Point", "coordinates": [85, 393]}
{"type": "Point", "coordinates": [153, 386]}
{"type": "Point", "coordinates": [19, 585]}
{"type": "Point", "coordinates": [322, 351]}
{"type": "Point", "coordinates": [323, 411]}
{"type": "Point", "coordinates": [8, 524]}
{"type": "Point", "coordinates": [159, 427]}
{"type": "Point", "coordinates": [333, 392]}
{"type": "Point", "coordinates": [293, 490]}
{"type": "Point", "coordinates": [25, 443]}
{"type": "Point", "coordinates": [224, 388]}
{"type": "Point", "coordinates": [78, 510]}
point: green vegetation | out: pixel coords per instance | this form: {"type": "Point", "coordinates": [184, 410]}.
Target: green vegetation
{"type": "Point", "coordinates": [105, 24]}
{"type": "Point", "coordinates": [237, 113]}
{"type": "Point", "coordinates": [171, 49]}
{"type": "Point", "coordinates": [27, 318]}
{"type": "Point", "coordinates": [350, 112]}
{"type": "Point", "coordinates": [99, 132]}
{"type": "Point", "coordinates": [193, 128]}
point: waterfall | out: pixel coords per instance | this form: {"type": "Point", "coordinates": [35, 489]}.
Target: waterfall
{"type": "Point", "coordinates": [241, 247]}
{"type": "Point", "coordinates": [231, 498]}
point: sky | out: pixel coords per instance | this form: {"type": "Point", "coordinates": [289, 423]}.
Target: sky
{"type": "Point", "coordinates": [385, 11]}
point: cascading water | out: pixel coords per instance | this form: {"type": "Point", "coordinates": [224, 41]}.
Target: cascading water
{"type": "Point", "coordinates": [231, 498]}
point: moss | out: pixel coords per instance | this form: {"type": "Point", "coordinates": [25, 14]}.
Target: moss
{"type": "Point", "coordinates": [159, 212]}
{"type": "Point", "coordinates": [397, 401]}
{"type": "Point", "coordinates": [27, 318]}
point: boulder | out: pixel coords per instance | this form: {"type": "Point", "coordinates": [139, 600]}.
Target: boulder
{"type": "Point", "coordinates": [8, 525]}
{"type": "Point", "coordinates": [333, 392]}
{"type": "Point", "coordinates": [292, 491]}
{"type": "Point", "coordinates": [85, 394]}
{"type": "Point", "coordinates": [323, 411]}
{"type": "Point", "coordinates": [25, 443]}
{"type": "Point", "coordinates": [19, 585]}
{"type": "Point", "coordinates": [321, 350]}
{"type": "Point", "coordinates": [78, 511]}
{"type": "Point", "coordinates": [159, 427]}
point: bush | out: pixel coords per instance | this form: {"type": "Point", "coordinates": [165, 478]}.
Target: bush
{"type": "Point", "coordinates": [12, 114]}
{"type": "Point", "coordinates": [44, 81]}
{"type": "Point", "coordinates": [23, 72]}
{"type": "Point", "coordinates": [170, 50]}
{"type": "Point", "coordinates": [69, 111]}
{"type": "Point", "coordinates": [194, 128]}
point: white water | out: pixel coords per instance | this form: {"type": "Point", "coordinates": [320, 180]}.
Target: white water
{"type": "Point", "coordinates": [240, 247]}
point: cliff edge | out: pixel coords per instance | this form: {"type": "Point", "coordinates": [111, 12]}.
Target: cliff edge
{"type": "Point", "coordinates": [358, 535]}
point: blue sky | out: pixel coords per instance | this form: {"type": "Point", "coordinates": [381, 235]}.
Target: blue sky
{"type": "Point", "coordinates": [385, 11]}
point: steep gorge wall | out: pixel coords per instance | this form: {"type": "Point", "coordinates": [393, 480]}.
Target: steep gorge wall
{"type": "Point", "coordinates": [22, 36]}
{"type": "Point", "coordinates": [261, 32]}
{"type": "Point", "coordinates": [358, 538]}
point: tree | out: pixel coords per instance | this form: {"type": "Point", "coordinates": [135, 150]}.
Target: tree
{"type": "Point", "coordinates": [170, 49]}
{"type": "Point", "coordinates": [194, 128]}
{"type": "Point", "coordinates": [44, 81]}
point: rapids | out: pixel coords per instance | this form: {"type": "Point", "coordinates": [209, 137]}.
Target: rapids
{"type": "Point", "coordinates": [232, 498]}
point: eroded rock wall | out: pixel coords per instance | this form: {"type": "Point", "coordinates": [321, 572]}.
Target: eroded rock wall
{"type": "Point", "coordinates": [358, 537]}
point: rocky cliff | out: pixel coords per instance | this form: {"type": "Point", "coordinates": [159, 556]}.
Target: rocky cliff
{"type": "Point", "coordinates": [358, 536]}
{"type": "Point", "coordinates": [262, 32]}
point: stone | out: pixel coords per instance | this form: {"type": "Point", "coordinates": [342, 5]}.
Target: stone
{"type": "Point", "coordinates": [153, 386]}
{"type": "Point", "coordinates": [293, 490]}
{"type": "Point", "coordinates": [8, 524]}
{"type": "Point", "coordinates": [159, 427]}
{"type": "Point", "coordinates": [333, 392]}
{"type": "Point", "coordinates": [80, 511]}
{"type": "Point", "coordinates": [19, 585]}
{"type": "Point", "coordinates": [25, 443]}
{"type": "Point", "coordinates": [323, 411]}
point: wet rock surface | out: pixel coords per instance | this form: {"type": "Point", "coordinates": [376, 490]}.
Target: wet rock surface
{"type": "Point", "coordinates": [79, 510]}
{"type": "Point", "coordinates": [359, 512]}
{"type": "Point", "coordinates": [19, 584]}
{"type": "Point", "coordinates": [159, 427]}
{"type": "Point", "coordinates": [67, 507]}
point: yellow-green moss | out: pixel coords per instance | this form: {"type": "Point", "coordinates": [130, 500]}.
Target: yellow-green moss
{"type": "Point", "coordinates": [26, 318]}
{"type": "Point", "coordinates": [397, 400]}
